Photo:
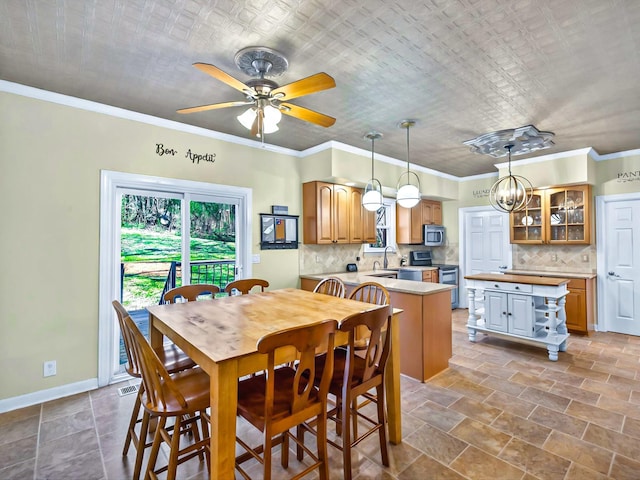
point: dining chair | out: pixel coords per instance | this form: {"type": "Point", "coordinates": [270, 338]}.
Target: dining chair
{"type": "Point", "coordinates": [183, 397]}
{"type": "Point", "coordinates": [190, 293]}
{"type": "Point", "coordinates": [245, 285]}
{"type": "Point", "coordinates": [283, 397]}
{"type": "Point", "coordinates": [172, 358]}
{"type": "Point", "coordinates": [354, 376]}
{"type": "Point", "coordinates": [331, 286]}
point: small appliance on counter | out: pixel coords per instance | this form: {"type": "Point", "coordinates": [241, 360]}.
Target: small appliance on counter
{"type": "Point", "coordinates": [433, 235]}
{"type": "Point", "coordinates": [352, 267]}
{"type": "Point", "coordinates": [447, 274]}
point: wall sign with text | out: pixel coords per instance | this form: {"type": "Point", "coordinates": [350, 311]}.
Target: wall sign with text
{"type": "Point", "coordinates": [162, 150]}
{"type": "Point", "coordinates": [624, 177]}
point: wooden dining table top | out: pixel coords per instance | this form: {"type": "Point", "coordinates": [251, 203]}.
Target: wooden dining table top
{"type": "Point", "coordinates": [229, 327]}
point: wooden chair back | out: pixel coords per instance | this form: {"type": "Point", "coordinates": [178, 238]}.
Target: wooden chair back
{"type": "Point", "coordinates": [306, 340]}
{"type": "Point", "coordinates": [245, 285]}
{"type": "Point", "coordinates": [371, 292]}
{"type": "Point", "coordinates": [331, 286]}
{"type": "Point", "coordinates": [159, 387]}
{"type": "Point", "coordinates": [377, 352]}
{"type": "Point", "coordinates": [190, 292]}
{"type": "Point", "coordinates": [132, 364]}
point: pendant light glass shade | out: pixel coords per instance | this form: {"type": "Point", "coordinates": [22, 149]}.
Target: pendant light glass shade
{"type": "Point", "coordinates": [408, 194]}
{"type": "Point", "coordinates": [510, 193]}
{"type": "Point", "coordinates": [372, 198]}
{"type": "Point", "coordinates": [272, 117]}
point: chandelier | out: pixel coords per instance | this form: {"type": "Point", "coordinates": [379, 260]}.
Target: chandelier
{"type": "Point", "coordinates": [510, 193]}
{"type": "Point", "coordinates": [408, 194]}
{"type": "Point", "coordinates": [372, 198]}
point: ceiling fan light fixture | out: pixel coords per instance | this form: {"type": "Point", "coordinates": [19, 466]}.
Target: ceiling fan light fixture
{"type": "Point", "coordinates": [247, 118]}
{"type": "Point", "coordinates": [408, 193]}
{"type": "Point", "coordinates": [372, 198]}
{"type": "Point", "coordinates": [272, 117]}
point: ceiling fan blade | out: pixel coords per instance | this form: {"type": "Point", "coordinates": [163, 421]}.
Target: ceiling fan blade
{"type": "Point", "coordinates": [224, 77]}
{"type": "Point", "coordinates": [307, 115]}
{"type": "Point", "coordinates": [214, 106]}
{"type": "Point", "coordinates": [314, 83]}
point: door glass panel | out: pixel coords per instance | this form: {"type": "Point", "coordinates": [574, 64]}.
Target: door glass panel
{"type": "Point", "coordinates": [150, 253]}
{"type": "Point", "coordinates": [212, 243]}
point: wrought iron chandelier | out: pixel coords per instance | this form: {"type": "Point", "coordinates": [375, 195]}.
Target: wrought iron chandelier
{"type": "Point", "coordinates": [372, 198]}
{"type": "Point", "coordinates": [510, 193]}
{"type": "Point", "coordinates": [408, 194]}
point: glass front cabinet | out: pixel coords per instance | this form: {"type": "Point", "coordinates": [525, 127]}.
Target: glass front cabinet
{"type": "Point", "coordinates": [558, 215]}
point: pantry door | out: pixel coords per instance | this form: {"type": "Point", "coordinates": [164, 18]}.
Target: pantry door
{"type": "Point", "coordinates": [484, 244]}
{"type": "Point", "coordinates": [619, 263]}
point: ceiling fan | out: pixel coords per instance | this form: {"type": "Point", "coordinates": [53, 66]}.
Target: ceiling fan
{"type": "Point", "coordinates": [266, 99]}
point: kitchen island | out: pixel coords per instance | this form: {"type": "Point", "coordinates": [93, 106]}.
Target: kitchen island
{"type": "Point", "coordinates": [425, 324]}
{"type": "Point", "coordinates": [521, 307]}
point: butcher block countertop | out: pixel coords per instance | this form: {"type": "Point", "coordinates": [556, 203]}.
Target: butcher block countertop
{"type": "Point", "coordinates": [509, 278]}
{"type": "Point", "coordinates": [540, 273]}
{"type": "Point", "coordinates": [391, 284]}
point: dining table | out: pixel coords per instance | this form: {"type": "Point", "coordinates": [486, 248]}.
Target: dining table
{"type": "Point", "coordinates": [221, 334]}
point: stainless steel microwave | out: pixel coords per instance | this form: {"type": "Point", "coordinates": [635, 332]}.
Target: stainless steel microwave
{"type": "Point", "coordinates": [433, 235]}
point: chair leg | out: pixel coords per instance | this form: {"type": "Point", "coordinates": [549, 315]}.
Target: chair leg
{"type": "Point", "coordinates": [155, 447]}
{"type": "Point", "coordinates": [383, 425]}
{"type": "Point", "coordinates": [321, 441]}
{"type": "Point", "coordinates": [266, 455]}
{"type": "Point", "coordinates": [131, 434]}
{"type": "Point", "coordinates": [175, 448]}
{"type": "Point", "coordinates": [284, 451]}
{"type": "Point", "coordinates": [300, 435]}
{"type": "Point", "coordinates": [205, 434]}
{"type": "Point", "coordinates": [142, 441]}
{"type": "Point", "coordinates": [346, 436]}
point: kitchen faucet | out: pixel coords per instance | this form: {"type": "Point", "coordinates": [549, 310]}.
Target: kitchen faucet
{"type": "Point", "coordinates": [374, 265]}
{"type": "Point", "coordinates": [385, 261]}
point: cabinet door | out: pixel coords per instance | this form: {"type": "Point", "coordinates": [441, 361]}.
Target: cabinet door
{"type": "Point", "coordinates": [341, 204]}
{"type": "Point", "coordinates": [324, 219]}
{"type": "Point", "coordinates": [576, 310]}
{"type": "Point", "coordinates": [356, 225]}
{"type": "Point", "coordinates": [568, 213]}
{"type": "Point", "coordinates": [495, 309]}
{"type": "Point", "coordinates": [431, 212]}
{"type": "Point", "coordinates": [416, 223]}
{"type": "Point", "coordinates": [521, 315]}
{"type": "Point", "coordinates": [403, 225]}
{"type": "Point", "coordinates": [369, 225]}
{"type": "Point", "coordinates": [529, 225]}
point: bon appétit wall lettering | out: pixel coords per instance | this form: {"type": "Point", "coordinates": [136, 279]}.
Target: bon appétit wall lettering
{"type": "Point", "coordinates": [196, 158]}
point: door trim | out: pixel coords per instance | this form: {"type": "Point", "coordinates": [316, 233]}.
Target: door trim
{"type": "Point", "coordinates": [462, 217]}
{"type": "Point", "coordinates": [601, 247]}
{"type": "Point", "coordinates": [109, 274]}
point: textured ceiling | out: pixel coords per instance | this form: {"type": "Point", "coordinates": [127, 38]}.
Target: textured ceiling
{"type": "Point", "coordinates": [460, 67]}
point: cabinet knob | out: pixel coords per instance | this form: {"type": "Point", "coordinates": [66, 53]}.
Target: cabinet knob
{"type": "Point", "coordinates": [497, 286]}
{"type": "Point", "coordinates": [517, 287]}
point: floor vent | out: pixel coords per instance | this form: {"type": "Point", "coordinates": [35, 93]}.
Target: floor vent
{"type": "Point", "coordinates": [128, 390]}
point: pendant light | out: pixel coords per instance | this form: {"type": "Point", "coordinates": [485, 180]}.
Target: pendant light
{"type": "Point", "coordinates": [408, 194]}
{"type": "Point", "coordinates": [372, 198]}
{"type": "Point", "coordinates": [510, 193]}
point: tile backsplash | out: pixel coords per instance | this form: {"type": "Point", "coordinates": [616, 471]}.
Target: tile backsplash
{"type": "Point", "coordinates": [334, 258]}
{"type": "Point", "coordinates": [555, 258]}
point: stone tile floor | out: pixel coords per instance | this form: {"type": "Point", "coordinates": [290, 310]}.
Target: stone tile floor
{"type": "Point", "coordinates": [501, 411]}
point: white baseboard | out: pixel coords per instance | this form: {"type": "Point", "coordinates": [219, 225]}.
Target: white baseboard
{"type": "Point", "coordinates": [40, 396]}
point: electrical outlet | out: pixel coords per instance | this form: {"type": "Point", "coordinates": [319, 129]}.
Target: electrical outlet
{"type": "Point", "coordinates": [255, 258]}
{"type": "Point", "coordinates": [554, 257]}
{"type": "Point", "coordinates": [49, 368]}
{"type": "Point", "coordinates": [318, 259]}
{"type": "Point", "coordinates": [585, 258]}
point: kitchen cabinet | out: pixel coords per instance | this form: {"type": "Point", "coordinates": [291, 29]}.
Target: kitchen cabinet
{"type": "Point", "coordinates": [333, 213]}
{"type": "Point", "coordinates": [580, 302]}
{"type": "Point", "coordinates": [525, 307]}
{"type": "Point", "coordinates": [430, 276]}
{"type": "Point", "coordinates": [362, 226]}
{"type": "Point", "coordinates": [559, 215]}
{"type": "Point", "coordinates": [409, 221]}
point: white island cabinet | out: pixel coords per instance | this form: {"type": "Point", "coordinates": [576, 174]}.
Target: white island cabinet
{"type": "Point", "coordinates": [522, 307]}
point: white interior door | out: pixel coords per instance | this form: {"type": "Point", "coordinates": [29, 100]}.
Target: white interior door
{"type": "Point", "coordinates": [484, 243]}
{"type": "Point", "coordinates": [620, 277]}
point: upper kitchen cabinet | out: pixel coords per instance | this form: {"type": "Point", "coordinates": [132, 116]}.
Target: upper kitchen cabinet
{"type": "Point", "coordinates": [333, 213]}
{"type": "Point", "coordinates": [559, 215]}
{"type": "Point", "coordinates": [409, 221]}
{"type": "Point", "coordinates": [362, 226]}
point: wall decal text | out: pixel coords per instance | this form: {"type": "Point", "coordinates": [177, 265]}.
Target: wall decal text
{"type": "Point", "coordinates": [193, 156]}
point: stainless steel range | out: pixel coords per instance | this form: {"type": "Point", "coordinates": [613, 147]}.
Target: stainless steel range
{"type": "Point", "coordinates": [447, 274]}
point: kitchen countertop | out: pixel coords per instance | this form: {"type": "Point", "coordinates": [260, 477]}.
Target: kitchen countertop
{"type": "Point", "coordinates": [391, 284]}
{"type": "Point", "coordinates": [510, 278]}
{"type": "Point", "coordinates": [541, 273]}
